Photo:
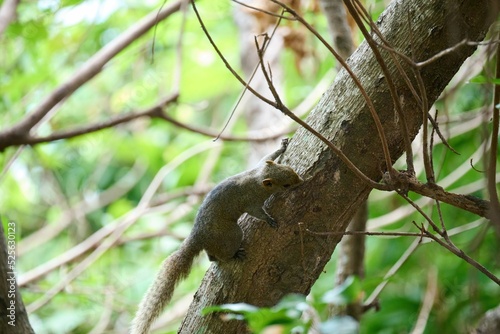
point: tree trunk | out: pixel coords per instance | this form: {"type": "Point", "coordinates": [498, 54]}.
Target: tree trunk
{"type": "Point", "coordinates": [289, 259]}
{"type": "Point", "coordinates": [13, 316]}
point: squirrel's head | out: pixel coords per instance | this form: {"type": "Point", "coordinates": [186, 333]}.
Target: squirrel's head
{"type": "Point", "coordinates": [279, 177]}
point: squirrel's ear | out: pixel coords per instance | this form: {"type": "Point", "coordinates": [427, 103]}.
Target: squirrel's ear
{"type": "Point", "coordinates": [267, 182]}
{"type": "Point", "coordinates": [270, 162]}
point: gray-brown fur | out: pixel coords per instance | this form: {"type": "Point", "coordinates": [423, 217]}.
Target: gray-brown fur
{"type": "Point", "coordinates": [216, 229]}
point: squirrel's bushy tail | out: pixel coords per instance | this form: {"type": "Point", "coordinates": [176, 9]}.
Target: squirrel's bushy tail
{"type": "Point", "coordinates": [176, 267]}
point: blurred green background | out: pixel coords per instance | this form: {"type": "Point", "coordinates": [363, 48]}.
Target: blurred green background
{"type": "Point", "coordinates": [70, 189]}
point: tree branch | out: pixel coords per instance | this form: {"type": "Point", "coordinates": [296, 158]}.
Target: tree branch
{"type": "Point", "coordinates": [16, 134]}
{"type": "Point", "coordinates": [7, 14]}
{"type": "Point", "coordinates": [493, 154]}
{"type": "Point", "coordinates": [155, 111]}
{"type": "Point", "coordinates": [469, 203]}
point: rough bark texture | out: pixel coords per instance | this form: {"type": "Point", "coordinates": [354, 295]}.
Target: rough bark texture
{"type": "Point", "coordinates": [289, 259]}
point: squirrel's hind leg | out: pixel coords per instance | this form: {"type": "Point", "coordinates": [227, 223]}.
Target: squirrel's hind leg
{"type": "Point", "coordinates": [225, 245]}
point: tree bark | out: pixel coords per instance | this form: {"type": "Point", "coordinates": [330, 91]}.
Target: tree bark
{"type": "Point", "coordinates": [13, 315]}
{"type": "Point", "coordinates": [289, 259]}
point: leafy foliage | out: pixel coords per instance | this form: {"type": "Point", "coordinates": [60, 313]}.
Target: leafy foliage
{"type": "Point", "coordinates": [293, 313]}
{"type": "Point", "coordinates": [61, 193]}
{"type": "Point", "coordinates": [286, 314]}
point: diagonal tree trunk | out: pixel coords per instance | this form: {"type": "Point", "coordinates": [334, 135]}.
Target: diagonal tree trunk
{"type": "Point", "coordinates": [290, 259]}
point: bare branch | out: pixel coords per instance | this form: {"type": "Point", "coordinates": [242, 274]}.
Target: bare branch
{"type": "Point", "coordinates": [369, 102]}
{"type": "Point", "coordinates": [214, 134]}
{"type": "Point", "coordinates": [7, 14]}
{"type": "Point", "coordinates": [445, 52]}
{"type": "Point", "coordinates": [371, 233]}
{"type": "Point", "coordinates": [492, 166]}
{"type": "Point", "coordinates": [154, 111]}
{"type": "Point", "coordinates": [17, 133]}
{"type": "Point", "coordinates": [264, 11]}
{"type": "Point", "coordinates": [447, 242]}
{"type": "Point", "coordinates": [429, 298]}
{"type": "Point", "coordinates": [84, 207]}
{"type": "Point", "coordinates": [469, 203]}
{"type": "Point", "coordinates": [245, 89]}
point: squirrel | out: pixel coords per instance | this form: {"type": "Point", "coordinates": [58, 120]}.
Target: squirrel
{"type": "Point", "coordinates": [216, 229]}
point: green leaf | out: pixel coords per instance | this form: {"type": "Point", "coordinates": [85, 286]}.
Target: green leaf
{"type": "Point", "coordinates": [340, 325]}
{"type": "Point", "coordinates": [346, 293]}
{"type": "Point", "coordinates": [287, 313]}
{"type": "Point", "coordinates": [483, 79]}
{"type": "Point", "coordinates": [235, 308]}
{"type": "Point", "coordinates": [292, 301]}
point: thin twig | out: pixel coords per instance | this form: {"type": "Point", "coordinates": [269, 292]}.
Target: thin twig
{"type": "Point", "coordinates": [429, 298]}
{"type": "Point", "coordinates": [371, 107]}
{"type": "Point", "coordinates": [226, 63]}
{"type": "Point", "coordinates": [245, 89]}
{"type": "Point", "coordinates": [144, 207]}
{"type": "Point", "coordinates": [458, 252]}
{"type": "Point", "coordinates": [427, 218]}
{"type": "Point", "coordinates": [356, 10]}
{"type": "Point", "coordinates": [435, 126]}
{"type": "Point", "coordinates": [464, 42]}
{"type": "Point", "coordinates": [279, 16]}
{"type": "Point", "coordinates": [287, 112]}
{"type": "Point", "coordinates": [216, 134]}
{"type": "Point", "coordinates": [370, 233]}
{"type": "Point", "coordinates": [396, 266]}
{"type": "Point", "coordinates": [179, 46]}
{"type": "Point", "coordinates": [392, 52]}
{"type": "Point", "coordinates": [447, 243]}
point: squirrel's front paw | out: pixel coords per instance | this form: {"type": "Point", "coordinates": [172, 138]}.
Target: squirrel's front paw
{"type": "Point", "coordinates": [240, 254]}
{"type": "Point", "coordinates": [272, 222]}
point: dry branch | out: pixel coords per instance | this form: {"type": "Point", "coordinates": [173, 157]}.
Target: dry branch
{"type": "Point", "coordinates": [19, 133]}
